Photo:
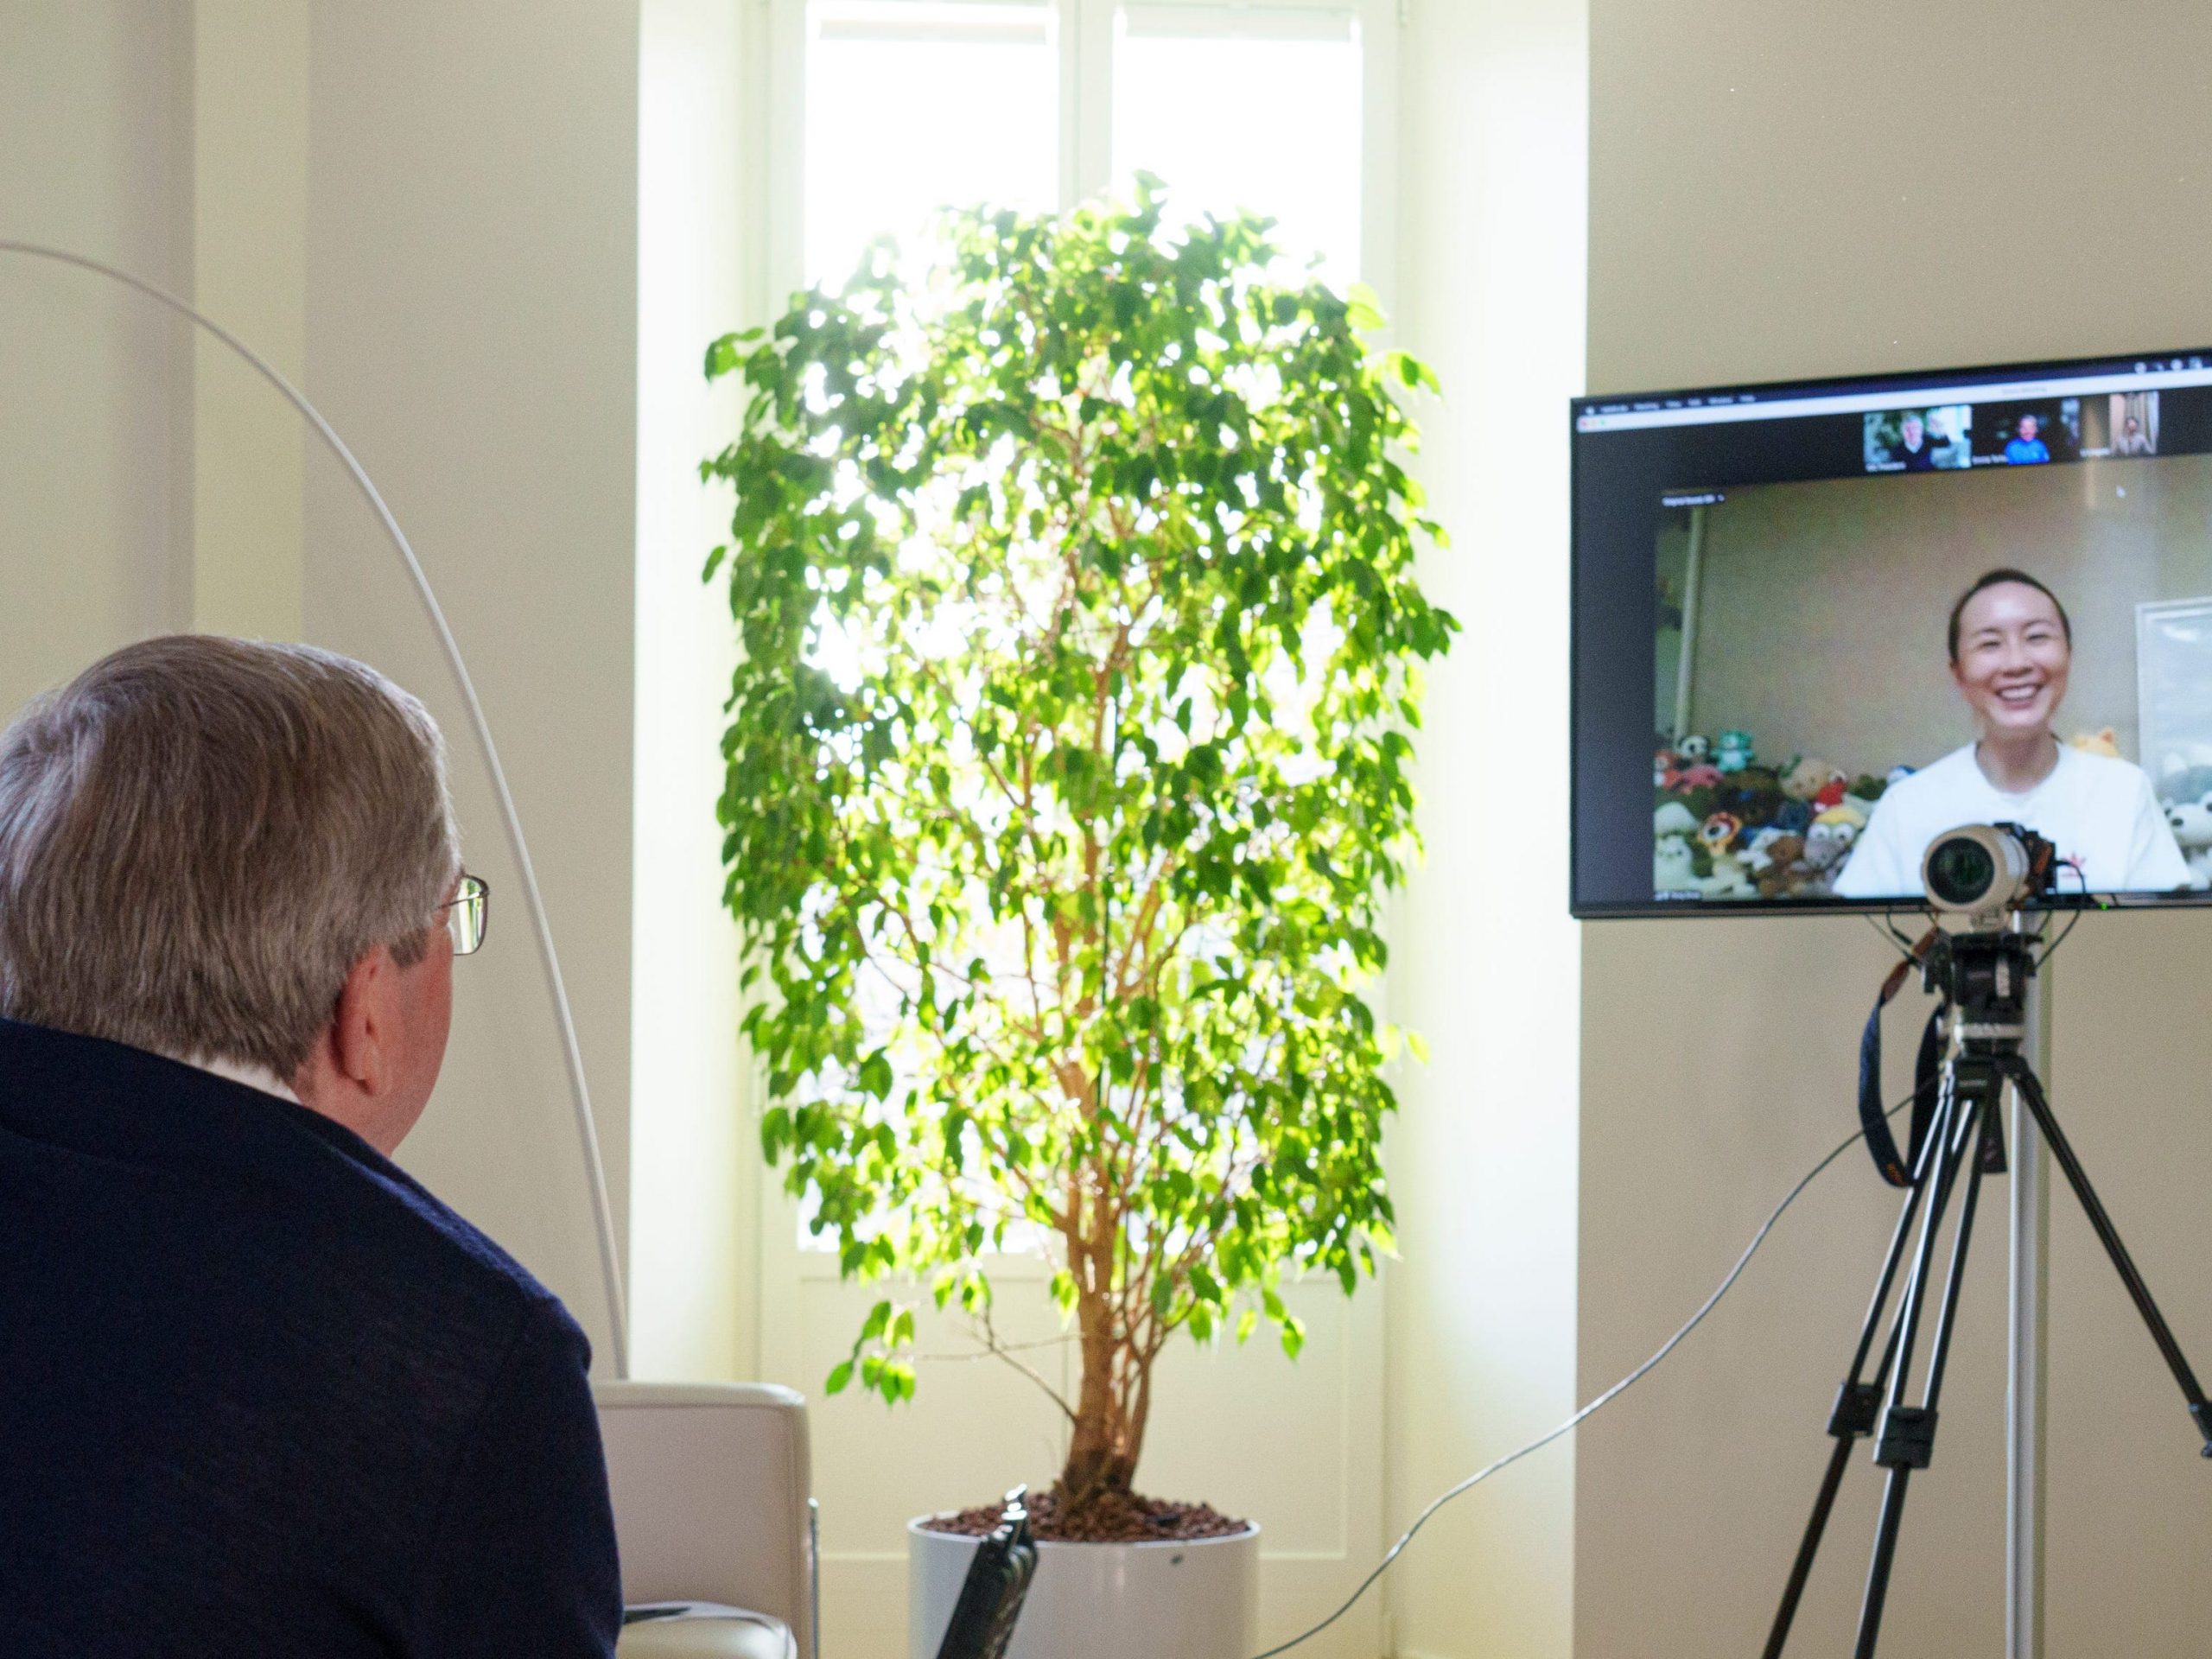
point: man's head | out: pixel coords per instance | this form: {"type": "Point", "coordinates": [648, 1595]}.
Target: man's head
{"type": "Point", "coordinates": [1912, 431]}
{"type": "Point", "coordinates": [2029, 427]}
{"type": "Point", "coordinates": [221, 850]}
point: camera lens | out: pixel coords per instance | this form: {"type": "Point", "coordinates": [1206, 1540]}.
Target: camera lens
{"type": "Point", "coordinates": [1961, 871]}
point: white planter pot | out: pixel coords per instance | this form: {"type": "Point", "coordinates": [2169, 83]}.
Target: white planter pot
{"type": "Point", "coordinates": [1194, 1600]}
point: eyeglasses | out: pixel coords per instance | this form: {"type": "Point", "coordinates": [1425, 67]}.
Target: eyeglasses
{"type": "Point", "coordinates": [467, 913]}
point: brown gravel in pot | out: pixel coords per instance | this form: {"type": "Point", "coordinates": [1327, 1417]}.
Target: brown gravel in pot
{"type": "Point", "coordinates": [1119, 1518]}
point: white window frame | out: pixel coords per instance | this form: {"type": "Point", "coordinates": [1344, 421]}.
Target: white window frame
{"type": "Point", "coordinates": [1085, 38]}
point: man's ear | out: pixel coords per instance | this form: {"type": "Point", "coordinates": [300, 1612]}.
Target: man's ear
{"type": "Point", "coordinates": [360, 1026]}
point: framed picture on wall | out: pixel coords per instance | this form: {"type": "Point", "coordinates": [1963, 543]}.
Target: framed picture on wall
{"type": "Point", "coordinates": [2173, 680]}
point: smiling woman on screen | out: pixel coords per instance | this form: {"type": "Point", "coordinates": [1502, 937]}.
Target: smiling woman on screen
{"type": "Point", "coordinates": [2011, 646]}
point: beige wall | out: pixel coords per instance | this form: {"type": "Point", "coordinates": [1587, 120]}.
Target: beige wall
{"type": "Point", "coordinates": [95, 443]}
{"type": "Point", "coordinates": [1770, 196]}
{"type": "Point", "coordinates": [430, 212]}
{"type": "Point", "coordinates": [249, 173]}
{"type": "Point", "coordinates": [471, 330]}
{"type": "Point", "coordinates": [1481, 1343]}
{"type": "Point", "coordinates": [450, 225]}
{"type": "Point", "coordinates": [1822, 606]}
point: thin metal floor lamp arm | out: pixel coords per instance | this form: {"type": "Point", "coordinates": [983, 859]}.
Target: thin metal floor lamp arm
{"type": "Point", "coordinates": [580, 1096]}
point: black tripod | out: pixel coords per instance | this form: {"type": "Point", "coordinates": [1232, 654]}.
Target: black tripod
{"type": "Point", "coordinates": [1983, 978]}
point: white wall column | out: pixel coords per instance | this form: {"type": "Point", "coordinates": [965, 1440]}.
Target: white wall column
{"type": "Point", "coordinates": [1482, 1345]}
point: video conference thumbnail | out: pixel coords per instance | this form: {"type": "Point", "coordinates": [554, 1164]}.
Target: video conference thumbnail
{"type": "Point", "coordinates": [1804, 678]}
{"type": "Point", "coordinates": [1954, 436]}
{"type": "Point", "coordinates": [1919, 440]}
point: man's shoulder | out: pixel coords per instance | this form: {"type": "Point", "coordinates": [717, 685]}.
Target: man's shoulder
{"type": "Point", "coordinates": [415, 1220]}
{"type": "Point", "coordinates": [462, 1286]}
{"type": "Point", "coordinates": [232, 1170]}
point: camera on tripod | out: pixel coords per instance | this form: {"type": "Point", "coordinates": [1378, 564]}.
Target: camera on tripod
{"type": "Point", "coordinates": [1970, 1065]}
{"type": "Point", "coordinates": [1986, 872]}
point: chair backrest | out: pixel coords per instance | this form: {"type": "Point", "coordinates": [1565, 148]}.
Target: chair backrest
{"type": "Point", "coordinates": [712, 1490]}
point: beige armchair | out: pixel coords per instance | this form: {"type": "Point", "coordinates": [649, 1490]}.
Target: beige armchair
{"type": "Point", "coordinates": [713, 1502]}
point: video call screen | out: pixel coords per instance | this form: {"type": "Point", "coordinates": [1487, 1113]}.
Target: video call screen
{"type": "Point", "coordinates": [1817, 625]}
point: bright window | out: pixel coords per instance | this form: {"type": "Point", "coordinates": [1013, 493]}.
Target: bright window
{"type": "Point", "coordinates": [912, 106]}
{"type": "Point", "coordinates": [908, 106]}
{"type": "Point", "coordinates": [1236, 108]}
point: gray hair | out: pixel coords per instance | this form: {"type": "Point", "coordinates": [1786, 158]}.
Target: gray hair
{"type": "Point", "coordinates": [200, 837]}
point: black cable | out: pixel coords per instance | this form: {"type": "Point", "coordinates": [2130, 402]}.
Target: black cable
{"type": "Point", "coordinates": [1603, 1400]}
{"type": "Point", "coordinates": [2073, 921]}
{"type": "Point", "coordinates": [1888, 928]}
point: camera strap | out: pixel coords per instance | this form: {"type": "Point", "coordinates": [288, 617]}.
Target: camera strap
{"type": "Point", "coordinates": [1894, 1166]}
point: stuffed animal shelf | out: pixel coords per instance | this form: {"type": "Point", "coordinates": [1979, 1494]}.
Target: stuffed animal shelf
{"type": "Point", "coordinates": [1727, 825]}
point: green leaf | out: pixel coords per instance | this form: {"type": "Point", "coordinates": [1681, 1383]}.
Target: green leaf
{"type": "Point", "coordinates": [1068, 748]}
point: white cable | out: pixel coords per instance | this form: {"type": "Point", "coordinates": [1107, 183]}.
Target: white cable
{"type": "Point", "coordinates": [608, 1262]}
{"type": "Point", "coordinates": [1603, 1400]}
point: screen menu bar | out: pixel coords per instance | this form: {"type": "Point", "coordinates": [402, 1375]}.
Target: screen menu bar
{"type": "Point", "coordinates": [1705, 408]}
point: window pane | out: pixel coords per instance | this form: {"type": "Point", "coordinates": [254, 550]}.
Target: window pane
{"type": "Point", "coordinates": [912, 107]}
{"type": "Point", "coordinates": [1253, 109]}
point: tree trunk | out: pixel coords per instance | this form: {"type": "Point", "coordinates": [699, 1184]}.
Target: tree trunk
{"type": "Point", "coordinates": [1109, 1431]}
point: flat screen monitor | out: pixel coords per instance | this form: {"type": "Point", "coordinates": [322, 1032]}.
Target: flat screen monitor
{"type": "Point", "coordinates": [1818, 624]}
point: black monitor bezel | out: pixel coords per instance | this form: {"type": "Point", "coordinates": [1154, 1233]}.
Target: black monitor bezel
{"type": "Point", "coordinates": [1905, 384]}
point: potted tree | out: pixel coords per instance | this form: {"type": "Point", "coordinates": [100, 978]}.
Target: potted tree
{"type": "Point", "coordinates": [1073, 575]}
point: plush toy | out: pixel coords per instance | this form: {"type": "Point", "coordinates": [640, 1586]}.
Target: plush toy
{"type": "Point", "coordinates": [1673, 869]}
{"type": "Point", "coordinates": [2191, 822]}
{"type": "Point", "coordinates": [1753, 795]}
{"type": "Point", "coordinates": [1810, 777]}
{"type": "Point", "coordinates": [1664, 765]}
{"type": "Point", "coordinates": [1793, 816]}
{"type": "Point", "coordinates": [2181, 784]}
{"type": "Point", "coordinates": [2105, 742]}
{"type": "Point", "coordinates": [1898, 774]}
{"type": "Point", "coordinates": [1700, 775]}
{"type": "Point", "coordinates": [1844, 812]}
{"type": "Point", "coordinates": [1720, 832]}
{"type": "Point", "coordinates": [1673, 818]}
{"type": "Point", "coordinates": [1693, 749]}
{"type": "Point", "coordinates": [1702, 799]}
{"type": "Point", "coordinates": [1733, 752]}
{"type": "Point", "coordinates": [1832, 794]}
{"type": "Point", "coordinates": [1867, 787]}
{"type": "Point", "coordinates": [1727, 881]}
{"type": "Point", "coordinates": [1784, 867]}
{"type": "Point", "coordinates": [1827, 843]}
{"type": "Point", "coordinates": [1758, 852]}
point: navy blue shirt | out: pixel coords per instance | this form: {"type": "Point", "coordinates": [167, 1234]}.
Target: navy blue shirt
{"type": "Point", "coordinates": [261, 1394]}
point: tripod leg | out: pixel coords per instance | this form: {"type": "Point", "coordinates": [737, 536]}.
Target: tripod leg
{"type": "Point", "coordinates": [1856, 1407]}
{"type": "Point", "coordinates": [1858, 1401]}
{"type": "Point", "coordinates": [2024, 1078]}
{"type": "Point", "coordinates": [1908, 1435]}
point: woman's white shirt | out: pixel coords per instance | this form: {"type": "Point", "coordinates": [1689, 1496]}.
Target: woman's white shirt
{"type": "Point", "coordinates": [2101, 813]}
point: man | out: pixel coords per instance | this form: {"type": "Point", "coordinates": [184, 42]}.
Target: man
{"type": "Point", "coordinates": [1913, 447]}
{"type": "Point", "coordinates": [2028, 449]}
{"type": "Point", "coordinates": [260, 1393]}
